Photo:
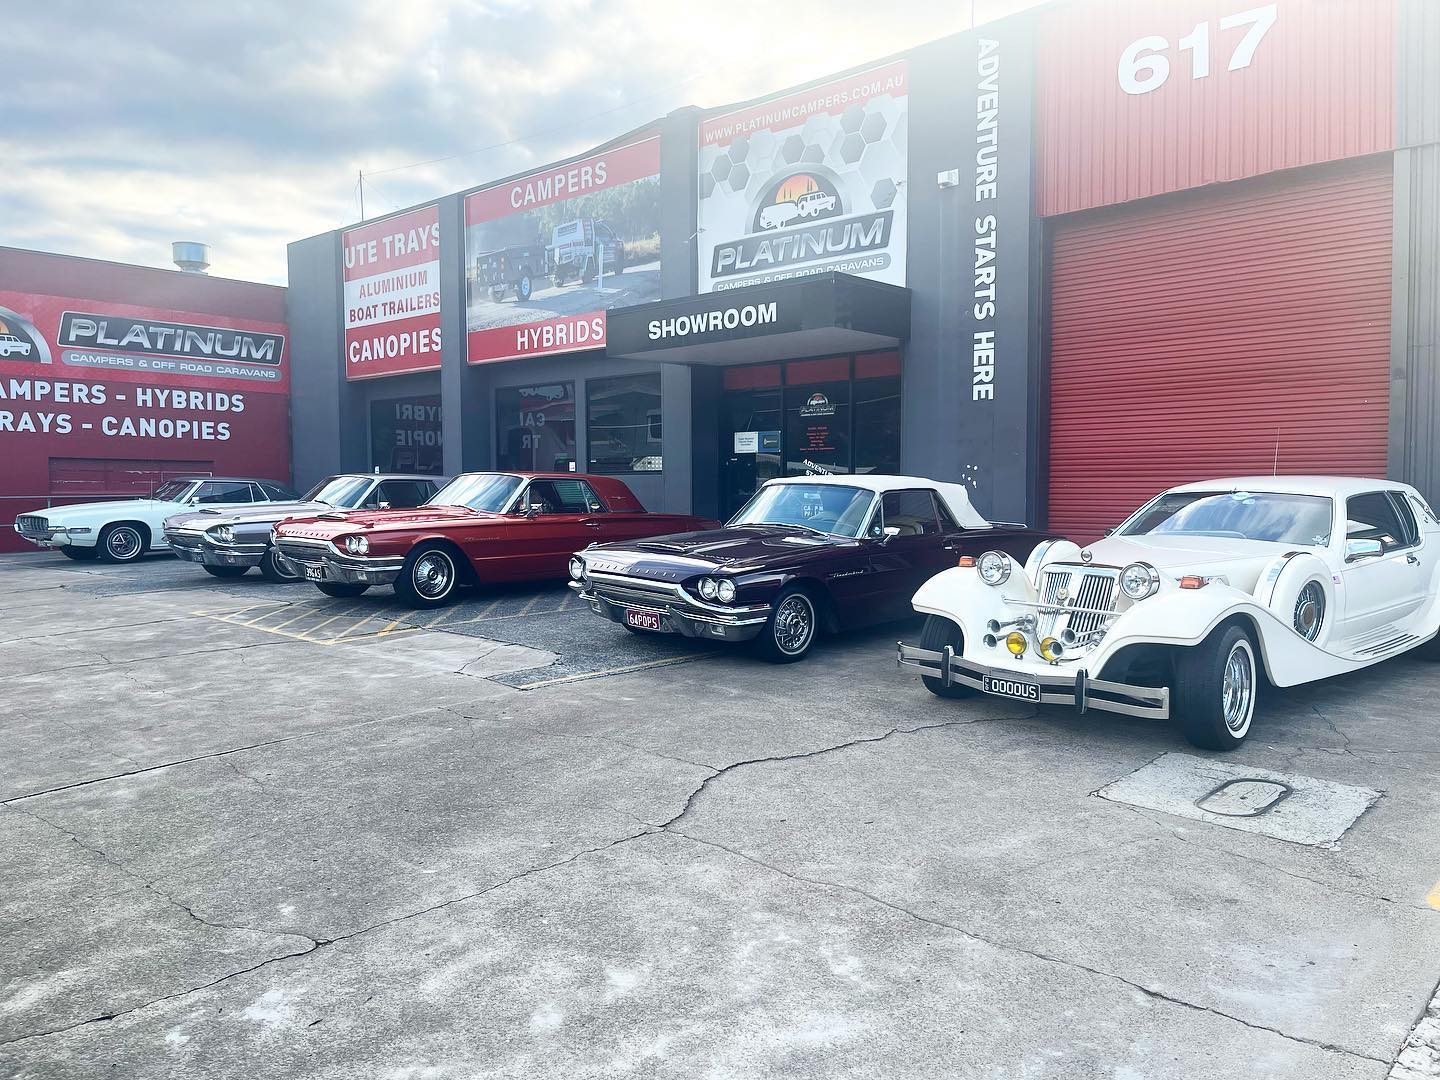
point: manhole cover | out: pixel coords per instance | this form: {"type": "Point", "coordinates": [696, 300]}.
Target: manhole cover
{"type": "Point", "coordinates": [1243, 798]}
{"type": "Point", "coordinates": [1300, 809]}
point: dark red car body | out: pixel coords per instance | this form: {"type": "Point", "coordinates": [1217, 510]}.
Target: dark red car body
{"type": "Point", "coordinates": [528, 540]}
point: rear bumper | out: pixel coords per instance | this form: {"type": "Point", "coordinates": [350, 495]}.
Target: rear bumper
{"type": "Point", "coordinates": [1078, 689]}
{"type": "Point", "coordinates": [195, 547]}
{"type": "Point", "coordinates": [319, 561]}
{"type": "Point", "coordinates": [611, 597]}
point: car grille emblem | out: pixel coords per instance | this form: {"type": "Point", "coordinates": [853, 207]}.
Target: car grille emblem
{"type": "Point", "coordinates": [1087, 556]}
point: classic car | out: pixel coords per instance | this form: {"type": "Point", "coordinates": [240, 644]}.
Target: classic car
{"type": "Point", "coordinates": [227, 542]}
{"type": "Point", "coordinates": [805, 554]}
{"type": "Point", "coordinates": [480, 528]}
{"type": "Point", "coordinates": [121, 530]}
{"type": "Point", "coordinates": [1200, 596]}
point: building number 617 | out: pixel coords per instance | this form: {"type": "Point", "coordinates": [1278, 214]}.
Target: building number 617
{"type": "Point", "coordinates": [1145, 67]}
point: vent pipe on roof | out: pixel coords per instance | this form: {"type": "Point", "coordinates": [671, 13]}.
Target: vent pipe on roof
{"type": "Point", "coordinates": [192, 257]}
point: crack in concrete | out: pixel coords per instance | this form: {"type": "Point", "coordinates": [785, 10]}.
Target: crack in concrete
{"type": "Point", "coordinates": [119, 665]}
{"type": "Point", "coordinates": [1150, 992]}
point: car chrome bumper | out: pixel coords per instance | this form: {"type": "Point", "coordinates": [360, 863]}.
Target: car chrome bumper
{"type": "Point", "coordinates": [195, 547]}
{"type": "Point", "coordinates": [1078, 689]}
{"type": "Point", "coordinates": [319, 561]}
{"type": "Point", "coordinates": [611, 596]}
{"type": "Point", "coordinates": [58, 536]}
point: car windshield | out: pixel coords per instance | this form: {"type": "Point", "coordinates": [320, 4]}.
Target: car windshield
{"type": "Point", "coordinates": [834, 509]}
{"type": "Point", "coordinates": [342, 491]}
{"type": "Point", "coordinates": [172, 490]}
{"type": "Point", "coordinates": [1305, 520]}
{"type": "Point", "coordinates": [478, 491]}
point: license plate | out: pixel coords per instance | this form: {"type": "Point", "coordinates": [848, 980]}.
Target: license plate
{"type": "Point", "coordinates": [313, 573]}
{"type": "Point", "coordinates": [193, 556]}
{"type": "Point", "coordinates": [1021, 689]}
{"type": "Point", "coordinates": [642, 620]}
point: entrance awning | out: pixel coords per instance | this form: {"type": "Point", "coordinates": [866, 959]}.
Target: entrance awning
{"type": "Point", "coordinates": [782, 320]}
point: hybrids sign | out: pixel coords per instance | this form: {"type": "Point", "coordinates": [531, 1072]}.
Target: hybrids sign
{"type": "Point", "coordinates": [807, 183]}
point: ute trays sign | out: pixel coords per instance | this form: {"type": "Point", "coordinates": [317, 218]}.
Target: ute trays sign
{"type": "Point", "coordinates": [547, 254]}
{"type": "Point", "coordinates": [806, 183]}
{"type": "Point", "coordinates": [392, 295]}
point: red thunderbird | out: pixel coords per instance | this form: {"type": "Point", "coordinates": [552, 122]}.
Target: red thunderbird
{"type": "Point", "coordinates": [479, 528]}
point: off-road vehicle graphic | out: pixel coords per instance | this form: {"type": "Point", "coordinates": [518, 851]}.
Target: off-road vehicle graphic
{"type": "Point", "coordinates": [10, 345]}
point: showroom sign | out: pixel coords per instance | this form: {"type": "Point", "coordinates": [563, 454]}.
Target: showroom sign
{"type": "Point", "coordinates": [805, 183]}
{"type": "Point", "coordinates": [391, 277]}
{"type": "Point", "coordinates": [548, 254]}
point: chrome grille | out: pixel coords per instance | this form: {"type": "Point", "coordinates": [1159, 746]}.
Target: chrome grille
{"type": "Point", "coordinates": [1096, 592]}
{"type": "Point", "coordinates": [1080, 588]}
{"type": "Point", "coordinates": [301, 550]}
{"type": "Point", "coordinates": [33, 526]}
{"type": "Point", "coordinates": [620, 589]}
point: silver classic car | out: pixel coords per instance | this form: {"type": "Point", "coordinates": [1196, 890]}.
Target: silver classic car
{"type": "Point", "coordinates": [228, 542]}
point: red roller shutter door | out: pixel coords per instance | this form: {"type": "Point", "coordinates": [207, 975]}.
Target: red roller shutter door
{"type": "Point", "coordinates": [1216, 333]}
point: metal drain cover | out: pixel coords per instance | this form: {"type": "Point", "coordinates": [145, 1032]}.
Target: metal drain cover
{"type": "Point", "coordinates": [1298, 809]}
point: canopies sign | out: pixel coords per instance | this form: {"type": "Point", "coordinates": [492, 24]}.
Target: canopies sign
{"type": "Point", "coordinates": [392, 295]}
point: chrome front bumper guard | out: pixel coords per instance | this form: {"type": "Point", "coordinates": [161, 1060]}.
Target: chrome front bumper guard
{"type": "Point", "coordinates": [344, 569]}
{"type": "Point", "coordinates": [58, 536]}
{"type": "Point", "coordinates": [1079, 690]}
{"type": "Point", "coordinates": [196, 547]}
{"type": "Point", "coordinates": [678, 613]}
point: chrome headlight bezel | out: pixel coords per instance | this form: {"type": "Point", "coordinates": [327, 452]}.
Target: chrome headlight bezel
{"type": "Point", "coordinates": [994, 567]}
{"type": "Point", "coordinates": [356, 545]}
{"type": "Point", "coordinates": [725, 591]}
{"type": "Point", "coordinates": [576, 568]}
{"type": "Point", "coordinates": [1144, 577]}
{"type": "Point", "coordinates": [221, 534]}
{"type": "Point", "coordinates": [708, 588]}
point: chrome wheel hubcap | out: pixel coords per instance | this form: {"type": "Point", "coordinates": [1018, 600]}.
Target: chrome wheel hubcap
{"type": "Point", "coordinates": [794, 623]}
{"type": "Point", "coordinates": [1310, 611]}
{"type": "Point", "coordinates": [433, 574]}
{"type": "Point", "coordinates": [1238, 688]}
{"type": "Point", "coordinates": [124, 543]}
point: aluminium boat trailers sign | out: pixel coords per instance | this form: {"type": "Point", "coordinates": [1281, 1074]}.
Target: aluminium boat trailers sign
{"type": "Point", "coordinates": [803, 316]}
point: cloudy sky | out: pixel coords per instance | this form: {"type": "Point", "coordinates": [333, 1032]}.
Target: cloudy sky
{"type": "Point", "coordinates": [243, 123]}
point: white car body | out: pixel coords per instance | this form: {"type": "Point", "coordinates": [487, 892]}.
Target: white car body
{"type": "Point", "coordinates": [1375, 605]}
{"type": "Point", "coordinates": [773, 217]}
{"type": "Point", "coordinates": [814, 202]}
{"type": "Point", "coordinates": [10, 344]}
{"type": "Point", "coordinates": [81, 525]}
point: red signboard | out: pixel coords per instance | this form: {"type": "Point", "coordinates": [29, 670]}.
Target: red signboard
{"type": "Point", "coordinates": [1138, 98]}
{"type": "Point", "coordinates": [392, 295]}
{"type": "Point", "coordinates": [99, 398]}
{"type": "Point", "coordinates": [547, 254]}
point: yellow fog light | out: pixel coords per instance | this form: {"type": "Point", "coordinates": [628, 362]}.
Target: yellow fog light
{"type": "Point", "coordinates": [1015, 642]}
{"type": "Point", "coordinates": [1051, 649]}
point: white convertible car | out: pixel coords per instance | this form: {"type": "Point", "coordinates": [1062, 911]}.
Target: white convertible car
{"type": "Point", "coordinates": [1200, 595]}
{"type": "Point", "coordinates": [124, 529]}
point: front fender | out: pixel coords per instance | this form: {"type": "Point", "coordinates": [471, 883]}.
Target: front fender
{"type": "Point", "coordinates": [959, 595]}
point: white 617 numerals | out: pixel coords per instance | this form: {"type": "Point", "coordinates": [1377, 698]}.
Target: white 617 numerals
{"type": "Point", "coordinates": [1144, 65]}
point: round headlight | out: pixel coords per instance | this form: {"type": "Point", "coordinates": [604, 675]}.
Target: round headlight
{"type": "Point", "coordinates": [708, 588]}
{"type": "Point", "coordinates": [357, 545]}
{"type": "Point", "coordinates": [994, 567]}
{"type": "Point", "coordinates": [725, 590]}
{"type": "Point", "coordinates": [1016, 643]}
{"type": "Point", "coordinates": [224, 534]}
{"type": "Point", "coordinates": [577, 568]}
{"type": "Point", "coordinates": [1139, 580]}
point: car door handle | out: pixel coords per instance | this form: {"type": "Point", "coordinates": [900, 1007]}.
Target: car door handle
{"type": "Point", "coordinates": [1412, 559]}
{"type": "Point", "coordinates": [591, 524]}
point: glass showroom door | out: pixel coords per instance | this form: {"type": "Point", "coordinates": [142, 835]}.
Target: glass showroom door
{"type": "Point", "coordinates": [750, 412]}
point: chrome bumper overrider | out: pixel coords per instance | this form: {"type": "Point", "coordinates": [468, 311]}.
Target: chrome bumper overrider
{"type": "Point", "coordinates": [1078, 689]}
{"type": "Point", "coordinates": [317, 560]}
{"type": "Point", "coordinates": [610, 596]}
{"type": "Point", "coordinates": [197, 547]}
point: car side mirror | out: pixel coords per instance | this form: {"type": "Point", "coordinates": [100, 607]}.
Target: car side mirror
{"type": "Point", "coordinates": [889, 533]}
{"type": "Point", "coordinates": [530, 512]}
{"type": "Point", "coordinates": [384, 506]}
{"type": "Point", "coordinates": [1356, 550]}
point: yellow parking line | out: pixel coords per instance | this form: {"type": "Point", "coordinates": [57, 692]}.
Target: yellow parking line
{"type": "Point", "coordinates": [531, 605]}
{"type": "Point", "coordinates": [296, 618]}
{"type": "Point", "coordinates": [479, 615]}
{"type": "Point", "coordinates": [338, 615]}
{"type": "Point", "coordinates": [1433, 897]}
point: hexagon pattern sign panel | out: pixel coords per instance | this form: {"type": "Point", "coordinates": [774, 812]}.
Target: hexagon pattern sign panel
{"type": "Point", "coordinates": [805, 183]}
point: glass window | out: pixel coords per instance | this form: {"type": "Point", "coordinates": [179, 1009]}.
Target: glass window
{"type": "Point", "coordinates": [490, 492]}
{"type": "Point", "coordinates": [405, 434]}
{"type": "Point", "coordinates": [622, 424]}
{"type": "Point", "coordinates": [817, 428]}
{"type": "Point", "coordinates": [837, 509]}
{"type": "Point", "coordinates": [562, 497]}
{"type": "Point", "coordinates": [1373, 517]}
{"type": "Point", "coordinates": [877, 413]}
{"type": "Point", "coordinates": [276, 492]}
{"type": "Point", "coordinates": [1236, 515]}
{"type": "Point", "coordinates": [172, 490]}
{"type": "Point", "coordinates": [223, 491]}
{"type": "Point", "coordinates": [400, 494]}
{"type": "Point", "coordinates": [912, 512]}
{"type": "Point", "coordinates": [535, 427]}
{"type": "Point", "coordinates": [344, 492]}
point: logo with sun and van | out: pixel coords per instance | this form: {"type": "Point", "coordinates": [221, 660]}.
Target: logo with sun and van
{"type": "Point", "coordinates": [798, 198]}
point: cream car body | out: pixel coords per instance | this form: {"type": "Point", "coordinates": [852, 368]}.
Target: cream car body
{"type": "Point", "coordinates": [1348, 593]}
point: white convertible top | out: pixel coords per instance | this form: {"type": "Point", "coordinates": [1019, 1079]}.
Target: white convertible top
{"type": "Point", "coordinates": [956, 497]}
{"type": "Point", "coordinates": [1343, 486]}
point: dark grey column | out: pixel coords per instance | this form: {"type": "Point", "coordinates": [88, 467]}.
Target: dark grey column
{"type": "Point", "coordinates": [466, 427]}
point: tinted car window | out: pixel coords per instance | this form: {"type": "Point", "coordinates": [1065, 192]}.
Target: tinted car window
{"type": "Point", "coordinates": [223, 491]}
{"type": "Point", "coordinates": [912, 512]}
{"type": "Point", "coordinates": [402, 494]}
{"type": "Point", "coordinates": [563, 497]}
{"type": "Point", "coordinates": [276, 493]}
{"type": "Point", "coordinates": [1373, 517]}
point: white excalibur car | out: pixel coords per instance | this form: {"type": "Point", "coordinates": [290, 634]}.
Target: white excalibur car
{"type": "Point", "coordinates": [122, 530]}
{"type": "Point", "coordinates": [1182, 609]}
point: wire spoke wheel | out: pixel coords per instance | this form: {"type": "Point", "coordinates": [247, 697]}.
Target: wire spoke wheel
{"type": "Point", "coordinates": [1309, 616]}
{"type": "Point", "coordinates": [1237, 689]}
{"type": "Point", "coordinates": [794, 624]}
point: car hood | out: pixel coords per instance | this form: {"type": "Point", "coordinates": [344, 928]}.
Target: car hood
{"type": "Point", "coordinates": [340, 522]}
{"type": "Point", "coordinates": [83, 511]}
{"type": "Point", "coordinates": [1241, 561]}
{"type": "Point", "coordinates": [221, 515]}
{"type": "Point", "coordinates": [736, 548]}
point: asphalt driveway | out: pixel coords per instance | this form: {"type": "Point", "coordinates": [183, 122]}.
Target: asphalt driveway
{"type": "Point", "coordinates": [248, 830]}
